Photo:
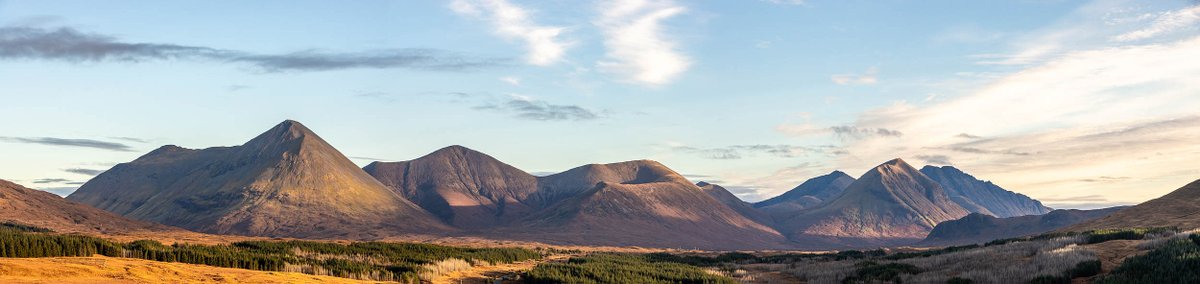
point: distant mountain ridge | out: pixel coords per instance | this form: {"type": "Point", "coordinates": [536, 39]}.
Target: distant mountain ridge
{"type": "Point", "coordinates": [892, 203]}
{"type": "Point", "coordinates": [979, 228]}
{"type": "Point", "coordinates": [811, 193]}
{"type": "Point", "coordinates": [288, 182]}
{"type": "Point", "coordinates": [978, 196]}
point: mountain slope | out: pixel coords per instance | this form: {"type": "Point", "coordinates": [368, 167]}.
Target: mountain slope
{"type": "Point", "coordinates": [22, 205]}
{"type": "Point", "coordinates": [732, 201]}
{"type": "Point", "coordinates": [892, 203]}
{"type": "Point", "coordinates": [463, 187]}
{"type": "Point", "coordinates": [979, 196]}
{"type": "Point", "coordinates": [287, 182]}
{"type": "Point", "coordinates": [1180, 208]}
{"type": "Point", "coordinates": [811, 193]}
{"type": "Point", "coordinates": [979, 228]}
{"type": "Point", "coordinates": [638, 203]}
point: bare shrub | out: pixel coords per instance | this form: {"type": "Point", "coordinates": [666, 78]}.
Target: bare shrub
{"type": "Point", "coordinates": [433, 270]}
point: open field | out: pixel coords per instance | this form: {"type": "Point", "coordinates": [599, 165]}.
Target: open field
{"type": "Point", "coordinates": [101, 269]}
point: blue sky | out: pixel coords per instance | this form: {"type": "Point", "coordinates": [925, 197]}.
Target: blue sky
{"type": "Point", "coordinates": [1078, 103]}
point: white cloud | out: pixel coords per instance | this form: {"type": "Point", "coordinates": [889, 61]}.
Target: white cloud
{"type": "Point", "coordinates": [511, 80]}
{"type": "Point", "coordinates": [866, 78]}
{"type": "Point", "coordinates": [1165, 23]}
{"type": "Point", "coordinates": [636, 47]}
{"type": "Point", "coordinates": [1118, 111]}
{"type": "Point", "coordinates": [544, 43]}
{"type": "Point", "coordinates": [1080, 106]}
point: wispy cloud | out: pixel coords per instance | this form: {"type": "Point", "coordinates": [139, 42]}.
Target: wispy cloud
{"type": "Point", "coordinates": [68, 142]}
{"type": "Point", "coordinates": [82, 171]}
{"type": "Point", "coordinates": [68, 44]}
{"type": "Point", "coordinates": [1165, 23]}
{"type": "Point", "coordinates": [532, 109]}
{"type": "Point", "coordinates": [637, 47]}
{"type": "Point", "coordinates": [866, 78]}
{"type": "Point", "coordinates": [860, 132]}
{"type": "Point", "coordinates": [511, 80]}
{"type": "Point", "coordinates": [741, 151]}
{"type": "Point", "coordinates": [934, 159]}
{"type": "Point", "coordinates": [1055, 126]}
{"type": "Point", "coordinates": [131, 139]}
{"type": "Point", "coordinates": [372, 159]}
{"type": "Point", "coordinates": [841, 131]}
{"type": "Point", "coordinates": [50, 180]}
{"type": "Point", "coordinates": [510, 21]}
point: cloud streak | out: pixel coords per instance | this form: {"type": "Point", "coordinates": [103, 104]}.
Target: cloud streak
{"type": "Point", "coordinates": [82, 171]}
{"type": "Point", "coordinates": [1117, 111]}
{"type": "Point", "coordinates": [867, 78]}
{"type": "Point", "coordinates": [740, 151]}
{"type": "Point", "coordinates": [67, 142]}
{"type": "Point", "coordinates": [531, 109]}
{"type": "Point", "coordinates": [637, 48]}
{"type": "Point", "coordinates": [512, 22]}
{"type": "Point", "coordinates": [1165, 23]}
{"type": "Point", "coordinates": [70, 45]}
{"type": "Point", "coordinates": [50, 180]}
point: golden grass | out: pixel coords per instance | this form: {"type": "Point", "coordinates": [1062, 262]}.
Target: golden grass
{"type": "Point", "coordinates": [101, 269]}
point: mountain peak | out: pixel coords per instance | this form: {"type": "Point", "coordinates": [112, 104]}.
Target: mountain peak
{"type": "Point", "coordinates": [289, 132]}
{"type": "Point", "coordinates": [291, 128]}
{"type": "Point", "coordinates": [454, 150]}
{"type": "Point", "coordinates": [895, 162]}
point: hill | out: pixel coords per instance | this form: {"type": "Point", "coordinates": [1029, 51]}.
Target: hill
{"type": "Point", "coordinates": [809, 194]}
{"type": "Point", "coordinates": [1180, 208]}
{"type": "Point", "coordinates": [22, 205]}
{"type": "Point", "coordinates": [639, 203]}
{"type": "Point", "coordinates": [745, 208]}
{"type": "Point", "coordinates": [287, 182]}
{"type": "Point", "coordinates": [979, 228]}
{"type": "Point", "coordinates": [462, 187]}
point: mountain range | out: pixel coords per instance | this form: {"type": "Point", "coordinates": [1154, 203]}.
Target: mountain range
{"type": "Point", "coordinates": [288, 182]}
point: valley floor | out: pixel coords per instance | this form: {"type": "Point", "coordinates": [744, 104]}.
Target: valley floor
{"type": "Point", "coordinates": [100, 269]}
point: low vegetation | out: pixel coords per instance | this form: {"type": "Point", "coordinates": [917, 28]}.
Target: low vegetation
{"type": "Point", "coordinates": [402, 262]}
{"type": "Point", "coordinates": [623, 268]}
{"type": "Point", "coordinates": [1173, 261]}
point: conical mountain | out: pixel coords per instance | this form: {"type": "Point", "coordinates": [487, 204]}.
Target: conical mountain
{"type": "Point", "coordinates": [463, 187]}
{"type": "Point", "coordinates": [892, 203]}
{"type": "Point", "coordinates": [638, 203]}
{"type": "Point", "coordinates": [979, 196]}
{"type": "Point", "coordinates": [22, 205]}
{"type": "Point", "coordinates": [287, 182]}
{"type": "Point", "coordinates": [745, 208]}
{"type": "Point", "coordinates": [812, 192]}
{"type": "Point", "coordinates": [1180, 208]}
